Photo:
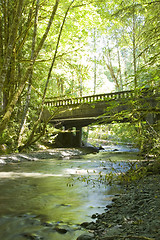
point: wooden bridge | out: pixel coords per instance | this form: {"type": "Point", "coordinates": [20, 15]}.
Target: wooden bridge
{"type": "Point", "coordinates": [124, 106]}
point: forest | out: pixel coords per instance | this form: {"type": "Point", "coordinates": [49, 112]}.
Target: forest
{"type": "Point", "coordinates": [66, 49]}
{"type": "Point", "coordinates": [62, 48]}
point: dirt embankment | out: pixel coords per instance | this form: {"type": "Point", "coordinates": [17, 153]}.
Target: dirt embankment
{"type": "Point", "coordinates": [135, 214]}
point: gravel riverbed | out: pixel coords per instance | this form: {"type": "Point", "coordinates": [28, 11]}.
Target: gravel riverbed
{"type": "Point", "coordinates": [135, 214]}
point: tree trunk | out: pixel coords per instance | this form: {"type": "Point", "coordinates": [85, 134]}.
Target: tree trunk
{"type": "Point", "coordinates": [119, 70]}
{"type": "Point", "coordinates": [111, 70]}
{"type": "Point", "coordinates": [95, 63]}
{"type": "Point", "coordinates": [10, 107]}
{"type": "Point", "coordinates": [1, 58]}
{"type": "Point", "coordinates": [134, 46]}
{"type": "Point", "coordinates": [24, 116]}
{"type": "Point", "coordinates": [11, 42]}
{"type": "Point", "coordinates": [31, 138]}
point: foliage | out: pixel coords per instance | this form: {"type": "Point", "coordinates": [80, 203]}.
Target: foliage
{"type": "Point", "coordinates": [119, 172]}
{"type": "Point", "coordinates": [122, 173]}
{"type": "Point", "coordinates": [72, 48]}
{"type": "Point", "coordinates": [150, 140]}
{"type": "Point", "coordinates": [126, 132]}
{"type": "Point", "coordinates": [36, 40]}
{"type": "Point", "coordinates": [133, 29]}
{"type": "Point", "coordinates": [116, 132]}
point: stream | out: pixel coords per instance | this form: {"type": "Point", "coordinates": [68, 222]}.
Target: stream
{"type": "Point", "coordinates": [47, 195]}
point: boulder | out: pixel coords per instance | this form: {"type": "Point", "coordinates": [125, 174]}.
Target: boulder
{"type": "Point", "coordinates": [86, 236]}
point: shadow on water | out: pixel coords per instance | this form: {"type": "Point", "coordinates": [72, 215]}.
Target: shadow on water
{"type": "Point", "coordinates": [44, 199]}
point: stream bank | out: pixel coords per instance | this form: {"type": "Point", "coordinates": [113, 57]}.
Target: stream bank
{"type": "Point", "coordinates": [134, 214]}
{"type": "Point", "coordinates": [58, 153]}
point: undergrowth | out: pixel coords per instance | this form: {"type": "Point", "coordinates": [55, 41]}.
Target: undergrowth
{"type": "Point", "coordinates": [133, 171]}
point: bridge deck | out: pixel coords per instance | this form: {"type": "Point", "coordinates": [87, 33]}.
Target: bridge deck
{"type": "Point", "coordinates": [117, 106]}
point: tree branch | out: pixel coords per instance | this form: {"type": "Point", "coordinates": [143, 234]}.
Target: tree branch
{"type": "Point", "coordinates": [31, 137]}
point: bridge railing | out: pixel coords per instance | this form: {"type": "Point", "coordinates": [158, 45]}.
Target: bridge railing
{"type": "Point", "coordinates": [90, 99]}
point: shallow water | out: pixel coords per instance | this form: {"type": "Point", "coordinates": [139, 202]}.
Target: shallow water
{"type": "Point", "coordinates": [48, 198]}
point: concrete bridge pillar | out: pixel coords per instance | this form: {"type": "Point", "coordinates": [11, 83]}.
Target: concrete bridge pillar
{"type": "Point", "coordinates": [68, 136]}
{"type": "Point", "coordinates": [72, 137]}
{"type": "Point", "coordinates": [79, 136]}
